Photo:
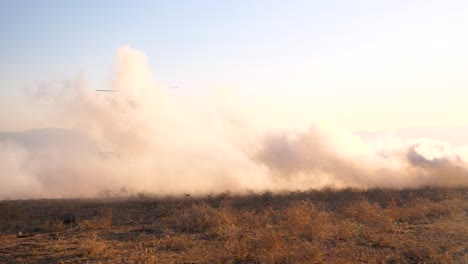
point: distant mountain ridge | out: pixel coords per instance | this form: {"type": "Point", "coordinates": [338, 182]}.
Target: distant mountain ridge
{"type": "Point", "coordinates": [457, 136]}
{"type": "Point", "coordinates": [50, 137]}
{"type": "Point", "coordinates": [45, 138]}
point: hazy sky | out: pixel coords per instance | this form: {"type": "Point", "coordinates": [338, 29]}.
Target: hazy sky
{"type": "Point", "coordinates": [361, 64]}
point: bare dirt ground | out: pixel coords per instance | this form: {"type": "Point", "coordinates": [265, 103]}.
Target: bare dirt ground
{"type": "Point", "coordinates": [426, 225]}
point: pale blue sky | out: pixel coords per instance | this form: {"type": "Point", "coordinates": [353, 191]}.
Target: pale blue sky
{"type": "Point", "coordinates": [359, 63]}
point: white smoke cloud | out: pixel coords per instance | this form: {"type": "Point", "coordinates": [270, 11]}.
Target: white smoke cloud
{"type": "Point", "coordinates": [146, 138]}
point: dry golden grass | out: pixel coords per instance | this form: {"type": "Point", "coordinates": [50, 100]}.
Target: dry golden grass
{"type": "Point", "coordinates": [426, 225]}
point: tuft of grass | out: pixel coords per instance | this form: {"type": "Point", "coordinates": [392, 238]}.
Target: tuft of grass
{"type": "Point", "coordinates": [99, 221]}
{"type": "Point", "coordinates": [304, 220]}
{"type": "Point", "coordinates": [93, 247]}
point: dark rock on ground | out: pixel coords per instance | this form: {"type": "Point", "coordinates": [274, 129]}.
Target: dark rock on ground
{"type": "Point", "coordinates": [67, 218]}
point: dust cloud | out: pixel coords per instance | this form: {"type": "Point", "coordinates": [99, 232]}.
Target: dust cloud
{"type": "Point", "coordinates": [146, 138]}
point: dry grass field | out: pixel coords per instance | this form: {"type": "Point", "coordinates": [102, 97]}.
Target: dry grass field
{"type": "Point", "coordinates": [425, 225]}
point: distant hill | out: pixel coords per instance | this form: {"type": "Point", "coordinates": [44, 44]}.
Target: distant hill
{"type": "Point", "coordinates": [458, 136]}
{"type": "Point", "coordinates": [56, 137]}
{"type": "Point", "coordinates": [46, 138]}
